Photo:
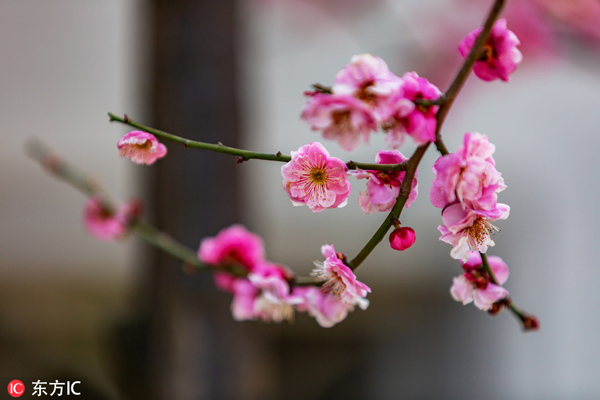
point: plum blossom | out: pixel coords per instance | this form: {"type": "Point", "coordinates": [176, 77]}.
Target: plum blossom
{"type": "Point", "coordinates": [314, 178]}
{"type": "Point", "coordinates": [368, 78]}
{"type": "Point", "coordinates": [339, 279]}
{"type": "Point", "coordinates": [264, 294]}
{"type": "Point", "coordinates": [274, 304]}
{"type": "Point", "coordinates": [469, 230]}
{"type": "Point", "coordinates": [383, 187]}
{"type": "Point", "coordinates": [475, 284]}
{"type": "Point", "coordinates": [340, 117]}
{"type": "Point", "coordinates": [244, 296]}
{"type": "Point", "coordinates": [402, 238]}
{"type": "Point", "coordinates": [328, 309]}
{"type": "Point", "coordinates": [468, 176]}
{"type": "Point", "coordinates": [408, 118]}
{"type": "Point", "coordinates": [141, 147]}
{"type": "Point", "coordinates": [104, 223]}
{"type": "Point", "coordinates": [233, 245]}
{"type": "Point", "coordinates": [500, 55]}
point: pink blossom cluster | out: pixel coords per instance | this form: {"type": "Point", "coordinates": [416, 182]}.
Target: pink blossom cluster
{"type": "Point", "coordinates": [367, 96]}
{"type": "Point", "coordinates": [500, 55]}
{"type": "Point", "coordinates": [465, 187]}
{"type": "Point", "coordinates": [266, 291]}
{"type": "Point", "coordinates": [103, 223]}
{"type": "Point", "coordinates": [383, 187]}
{"type": "Point", "coordinates": [476, 286]}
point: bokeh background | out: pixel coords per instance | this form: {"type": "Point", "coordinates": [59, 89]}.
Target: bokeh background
{"type": "Point", "coordinates": [132, 323]}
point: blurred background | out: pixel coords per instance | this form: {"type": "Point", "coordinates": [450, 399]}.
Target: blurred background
{"type": "Point", "coordinates": [131, 323]}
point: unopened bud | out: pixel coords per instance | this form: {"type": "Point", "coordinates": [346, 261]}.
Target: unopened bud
{"type": "Point", "coordinates": [402, 238]}
{"type": "Point", "coordinates": [530, 322]}
{"type": "Point", "coordinates": [496, 308]}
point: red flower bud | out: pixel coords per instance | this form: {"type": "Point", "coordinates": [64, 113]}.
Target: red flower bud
{"type": "Point", "coordinates": [402, 238]}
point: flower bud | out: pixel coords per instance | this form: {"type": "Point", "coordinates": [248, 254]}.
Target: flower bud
{"type": "Point", "coordinates": [496, 308]}
{"type": "Point", "coordinates": [530, 322]}
{"type": "Point", "coordinates": [402, 238]}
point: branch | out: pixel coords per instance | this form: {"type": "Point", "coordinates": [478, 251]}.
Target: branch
{"type": "Point", "coordinates": [243, 155]}
{"type": "Point", "coordinates": [83, 182]}
{"type": "Point", "coordinates": [405, 187]}
{"type": "Point", "coordinates": [377, 167]}
{"type": "Point", "coordinates": [529, 322]}
{"type": "Point", "coordinates": [445, 101]}
{"type": "Point", "coordinates": [463, 73]}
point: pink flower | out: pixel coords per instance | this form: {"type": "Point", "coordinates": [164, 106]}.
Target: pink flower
{"type": "Point", "coordinates": [468, 176]}
{"type": "Point", "coordinates": [417, 121]}
{"type": "Point", "coordinates": [327, 309]}
{"type": "Point", "coordinates": [340, 117]}
{"type": "Point", "coordinates": [264, 294]}
{"type": "Point", "coordinates": [232, 246]}
{"type": "Point", "coordinates": [339, 279]}
{"type": "Point", "coordinates": [402, 238]}
{"type": "Point", "coordinates": [141, 148]}
{"type": "Point", "coordinates": [475, 284]}
{"type": "Point", "coordinates": [244, 296]}
{"type": "Point", "coordinates": [103, 223]}
{"type": "Point", "coordinates": [383, 187]}
{"type": "Point", "coordinates": [469, 230]}
{"type": "Point", "coordinates": [500, 55]}
{"type": "Point", "coordinates": [274, 304]}
{"type": "Point", "coordinates": [315, 179]}
{"type": "Point", "coordinates": [368, 78]}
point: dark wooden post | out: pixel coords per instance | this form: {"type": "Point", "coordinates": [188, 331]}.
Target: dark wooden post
{"type": "Point", "coordinates": [196, 351]}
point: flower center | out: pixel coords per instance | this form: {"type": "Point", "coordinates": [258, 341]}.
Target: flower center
{"type": "Point", "coordinates": [333, 283]}
{"type": "Point", "coordinates": [341, 119]}
{"type": "Point", "coordinates": [318, 176]}
{"type": "Point", "coordinates": [481, 229]}
{"type": "Point", "coordinates": [488, 52]}
{"type": "Point", "coordinates": [143, 146]}
{"type": "Point", "coordinates": [273, 312]}
{"type": "Point", "coordinates": [364, 94]}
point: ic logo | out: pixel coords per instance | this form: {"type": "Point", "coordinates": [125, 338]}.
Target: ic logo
{"type": "Point", "coordinates": [16, 388]}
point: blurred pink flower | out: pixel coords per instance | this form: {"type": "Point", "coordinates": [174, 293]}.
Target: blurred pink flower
{"type": "Point", "coordinates": [340, 117]}
{"type": "Point", "coordinates": [327, 309]}
{"type": "Point", "coordinates": [141, 147]}
{"type": "Point", "coordinates": [233, 245]}
{"type": "Point", "coordinates": [408, 118]}
{"type": "Point", "coordinates": [402, 238]}
{"type": "Point", "coordinates": [368, 78]}
{"type": "Point", "coordinates": [500, 55]}
{"type": "Point", "coordinates": [274, 303]}
{"type": "Point", "coordinates": [475, 284]}
{"type": "Point", "coordinates": [468, 176]}
{"type": "Point", "coordinates": [339, 279]}
{"type": "Point", "coordinates": [103, 223]}
{"type": "Point", "coordinates": [315, 179]}
{"type": "Point", "coordinates": [264, 294]}
{"type": "Point", "coordinates": [383, 187]}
